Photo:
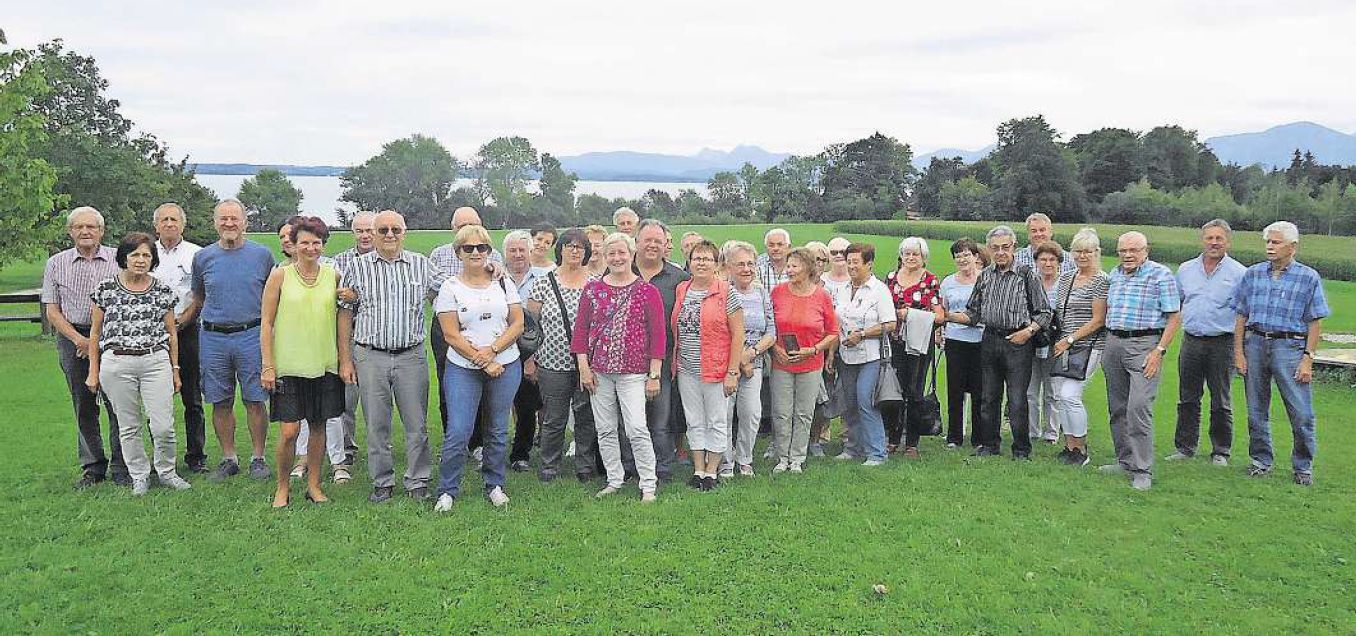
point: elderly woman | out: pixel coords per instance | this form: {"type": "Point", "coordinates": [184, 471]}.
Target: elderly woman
{"type": "Point", "coordinates": [554, 301]}
{"type": "Point", "coordinates": [806, 329]}
{"type": "Point", "coordinates": [301, 354]}
{"type": "Point", "coordinates": [136, 362]}
{"type": "Point", "coordinates": [619, 344]}
{"type": "Point", "coordinates": [962, 343]}
{"type": "Point", "coordinates": [597, 264]}
{"type": "Point", "coordinates": [481, 319]}
{"type": "Point", "coordinates": [1080, 303]}
{"type": "Point", "coordinates": [1047, 256]}
{"type": "Point", "coordinates": [836, 281]}
{"type": "Point", "coordinates": [918, 305]}
{"type": "Point", "coordinates": [866, 317]}
{"type": "Point", "coordinates": [819, 422]}
{"type": "Point", "coordinates": [760, 332]}
{"type": "Point", "coordinates": [708, 332]}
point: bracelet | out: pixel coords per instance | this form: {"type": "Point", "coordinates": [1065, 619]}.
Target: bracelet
{"type": "Point", "coordinates": [268, 368]}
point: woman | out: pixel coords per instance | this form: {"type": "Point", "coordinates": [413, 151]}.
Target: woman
{"type": "Point", "coordinates": [962, 343]}
{"type": "Point", "coordinates": [760, 332]}
{"type": "Point", "coordinates": [806, 329]}
{"type": "Point", "coordinates": [836, 281]}
{"type": "Point", "coordinates": [301, 353]}
{"type": "Point", "coordinates": [136, 360]}
{"type": "Point", "coordinates": [866, 315]}
{"type": "Point", "coordinates": [1048, 256]}
{"type": "Point", "coordinates": [618, 342]}
{"type": "Point", "coordinates": [819, 422]}
{"type": "Point", "coordinates": [554, 301]}
{"type": "Point", "coordinates": [597, 263]}
{"type": "Point", "coordinates": [913, 289]}
{"type": "Point", "coordinates": [481, 320]}
{"type": "Point", "coordinates": [708, 332]}
{"type": "Point", "coordinates": [1081, 306]}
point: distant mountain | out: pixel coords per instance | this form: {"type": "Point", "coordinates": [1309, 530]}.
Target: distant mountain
{"type": "Point", "coordinates": [253, 169]}
{"type": "Point", "coordinates": [1274, 147]}
{"type": "Point", "coordinates": [623, 165]}
{"type": "Point", "coordinates": [968, 156]}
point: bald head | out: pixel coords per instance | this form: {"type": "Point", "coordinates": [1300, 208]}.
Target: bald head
{"type": "Point", "coordinates": [464, 216]}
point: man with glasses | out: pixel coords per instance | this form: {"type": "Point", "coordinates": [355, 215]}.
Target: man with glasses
{"type": "Point", "coordinates": [364, 240]}
{"type": "Point", "coordinates": [1143, 313]}
{"type": "Point", "coordinates": [176, 271]}
{"type": "Point", "coordinates": [1011, 304]}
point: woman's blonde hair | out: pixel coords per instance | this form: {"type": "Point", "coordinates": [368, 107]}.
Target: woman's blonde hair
{"type": "Point", "coordinates": [468, 232]}
{"type": "Point", "coordinates": [620, 237]}
{"type": "Point", "coordinates": [806, 256]}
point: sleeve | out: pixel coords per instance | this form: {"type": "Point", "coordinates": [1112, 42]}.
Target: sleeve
{"type": "Point", "coordinates": [197, 284]}
{"type": "Point", "coordinates": [830, 316]}
{"type": "Point", "coordinates": [511, 296]}
{"type": "Point", "coordinates": [582, 322]}
{"type": "Point", "coordinates": [1035, 293]}
{"type": "Point", "coordinates": [976, 302]}
{"type": "Point", "coordinates": [1103, 288]}
{"type": "Point", "coordinates": [885, 307]}
{"type": "Point", "coordinates": [769, 314]}
{"type": "Point", "coordinates": [731, 301]}
{"type": "Point", "coordinates": [539, 290]}
{"type": "Point", "coordinates": [934, 290]}
{"type": "Point", "coordinates": [655, 322]}
{"type": "Point", "coordinates": [436, 277]}
{"type": "Point", "coordinates": [99, 296]}
{"type": "Point", "coordinates": [446, 300]}
{"type": "Point", "coordinates": [1169, 293]}
{"type": "Point", "coordinates": [1318, 302]}
{"type": "Point", "coordinates": [1240, 301]}
{"type": "Point", "coordinates": [349, 279]}
{"type": "Point", "coordinates": [49, 294]}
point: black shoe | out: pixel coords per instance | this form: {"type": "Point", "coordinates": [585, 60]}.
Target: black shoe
{"type": "Point", "coordinates": [547, 476]}
{"type": "Point", "coordinates": [696, 482]}
{"type": "Point", "coordinates": [1063, 456]}
{"type": "Point", "coordinates": [383, 493]}
{"type": "Point", "coordinates": [122, 479]}
{"type": "Point", "coordinates": [349, 458]}
{"type": "Point", "coordinates": [417, 494]}
{"type": "Point", "coordinates": [1077, 458]}
{"type": "Point", "coordinates": [520, 466]}
{"type": "Point", "coordinates": [584, 477]}
{"type": "Point", "coordinates": [227, 468]}
{"type": "Point", "coordinates": [87, 481]}
{"type": "Point", "coordinates": [984, 451]}
{"type": "Point", "coordinates": [707, 484]}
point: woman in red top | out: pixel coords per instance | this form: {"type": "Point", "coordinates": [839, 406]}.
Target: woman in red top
{"type": "Point", "coordinates": [806, 328]}
{"type": "Point", "coordinates": [911, 286]}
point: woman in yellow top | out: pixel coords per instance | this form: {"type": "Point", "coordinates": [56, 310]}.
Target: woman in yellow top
{"type": "Point", "coordinates": [301, 354]}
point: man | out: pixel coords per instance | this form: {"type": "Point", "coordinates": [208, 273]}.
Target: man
{"type": "Point", "coordinates": [176, 271]}
{"type": "Point", "coordinates": [385, 327]}
{"type": "Point", "coordinates": [1039, 230]}
{"type": "Point", "coordinates": [772, 262]}
{"type": "Point", "coordinates": [543, 248]}
{"type": "Point", "coordinates": [685, 246]}
{"type": "Point", "coordinates": [68, 279]}
{"type": "Point", "coordinates": [626, 219]}
{"type": "Point", "coordinates": [1280, 304]}
{"type": "Point", "coordinates": [653, 267]}
{"type": "Point", "coordinates": [364, 241]}
{"type": "Point", "coordinates": [1207, 282]}
{"type": "Point", "coordinates": [1011, 304]}
{"type": "Point", "coordinates": [518, 247]}
{"type": "Point", "coordinates": [228, 292]}
{"type": "Point", "coordinates": [1143, 313]}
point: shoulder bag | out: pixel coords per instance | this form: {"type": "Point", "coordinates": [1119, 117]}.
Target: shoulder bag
{"type": "Point", "coordinates": [1072, 364]}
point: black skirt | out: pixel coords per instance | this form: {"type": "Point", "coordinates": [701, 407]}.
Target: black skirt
{"type": "Point", "coordinates": [312, 399]}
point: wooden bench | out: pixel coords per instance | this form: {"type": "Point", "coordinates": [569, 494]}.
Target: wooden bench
{"type": "Point", "coordinates": [1341, 358]}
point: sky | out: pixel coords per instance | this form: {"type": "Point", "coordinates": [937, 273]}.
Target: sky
{"type": "Point", "coordinates": [304, 82]}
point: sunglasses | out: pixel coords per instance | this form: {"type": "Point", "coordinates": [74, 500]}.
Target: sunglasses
{"type": "Point", "coordinates": [393, 231]}
{"type": "Point", "coordinates": [483, 248]}
{"type": "Point", "coordinates": [837, 252]}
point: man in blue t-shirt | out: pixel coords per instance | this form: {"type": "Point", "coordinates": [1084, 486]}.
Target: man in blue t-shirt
{"type": "Point", "coordinates": [228, 290]}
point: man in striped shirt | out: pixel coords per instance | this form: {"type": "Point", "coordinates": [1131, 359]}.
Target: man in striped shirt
{"type": "Point", "coordinates": [363, 242]}
{"type": "Point", "coordinates": [1039, 230]}
{"type": "Point", "coordinates": [385, 326]}
{"type": "Point", "coordinates": [772, 263]}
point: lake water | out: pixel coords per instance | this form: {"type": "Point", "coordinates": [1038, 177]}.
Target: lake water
{"type": "Point", "coordinates": [320, 195]}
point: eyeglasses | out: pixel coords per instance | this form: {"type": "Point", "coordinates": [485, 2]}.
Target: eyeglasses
{"type": "Point", "coordinates": [837, 252]}
{"type": "Point", "coordinates": [821, 260]}
{"type": "Point", "coordinates": [393, 231]}
{"type": "Point", "coordinates": [573, 246]}
{"type": "Point", "coordinates": [483, 248]}
{"type": "Point", "coordinates": [1003, 248]}
{"type": "Point", "coordinates": [701, 259]}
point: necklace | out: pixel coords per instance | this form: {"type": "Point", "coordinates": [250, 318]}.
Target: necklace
{"type": "Point", "coordinates": [309, 281]}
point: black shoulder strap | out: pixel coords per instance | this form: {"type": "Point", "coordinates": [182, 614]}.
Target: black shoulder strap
{"type": "Point", "coordinates": [564, 315]}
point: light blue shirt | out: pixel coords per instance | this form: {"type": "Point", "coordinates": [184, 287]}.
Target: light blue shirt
{"type": "Point", "coordinates": [1207, 299]}
{"type": "Point", "coordinates": [957, 296]}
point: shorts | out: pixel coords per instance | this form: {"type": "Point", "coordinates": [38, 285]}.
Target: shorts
{"type": "Point", "coordinates": [227, 358]}
{"type": "Point", "coordinates": [311, 399]}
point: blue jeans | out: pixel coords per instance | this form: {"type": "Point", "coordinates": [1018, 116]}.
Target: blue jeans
{"type": "Point", "coordinates": [859, 407]}
{"type": "Point", "coordinates": [463, 389]}
{"type": "Point", "coordinates": [1277, 360]}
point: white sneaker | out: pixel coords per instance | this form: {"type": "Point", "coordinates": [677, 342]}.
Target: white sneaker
{"type": "Point", "coordinates": [1141, 482]}
{"type": "Point", "coordinates": [299, 467]}
{"type": "Point", "coordinates": [1219, 460]}
{"type": "Point", "coordinates": [175, 481]}
{"type": "Point", "coordinates": [607, 490]}
{"type": "Point", "coordinates": [796, 467]}
{"type": "Point", "coordinates": [140, 486]}
{"type": "Point", "coordinates": [444, 504]}
{"type": "Point", "coordinates": [1177, 457]}
{"type": "Point", "coordinates": [726, 472]}
{"type": "Point", "coordinates": [497, 497]}
{"type": "Point", "coordinates": [874, 462]}
{"type": "Point", "coordinates": [844, 455]}
{"type": "Point", "coordinates": [647, 496]}
{"type": "Point", "coordinates": [746, 470]}
{"type": "Point", "coordinates": [781, 466]}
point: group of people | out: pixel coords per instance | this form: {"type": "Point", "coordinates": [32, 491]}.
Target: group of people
{"type": "Point", "coordinates": [652, 362]}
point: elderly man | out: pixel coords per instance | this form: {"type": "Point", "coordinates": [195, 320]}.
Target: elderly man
{"type": "Point", "coordinates": [1011, 304]}
{"type": "Point", "coordinates": [364, 241]}
{"type": "Point", "coordinates": [176, 271]}
{"type": "Point", "coordinates": [385, 327]}
{"type": "Point", "coordinates": [653, 267]}
{"type": "Point", "coordinates": [228, 290]}
{"type": "Point", "coordinates": [772, 263]}
{"type": "Point", "coordinates": [1039, 230]}
{"type": "Point", "coordinates": [1142, 316]}
{"type": "Point", "coordinates": [68, 279]}
{"type": "Point", "coordinates": [685, 245]}
{"type": "Point", "coordinates": [518, 246]}
{"type": "Point", "coordinates": [626, 220]}
{"type": "Point", "coordinates": [1280, 304]}
{"type": "Point", "coordinates": [1206, 359]}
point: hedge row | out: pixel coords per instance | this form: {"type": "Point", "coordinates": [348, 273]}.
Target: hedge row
{"type": "Point", "coordinates": [1333, 256]}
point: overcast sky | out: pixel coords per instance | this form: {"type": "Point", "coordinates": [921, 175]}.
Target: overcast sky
{"type": "Point", "coordinates": [329, 82]}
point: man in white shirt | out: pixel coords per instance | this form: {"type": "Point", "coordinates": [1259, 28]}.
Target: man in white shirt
{"type": "Point", "coordinates": [176, 271]}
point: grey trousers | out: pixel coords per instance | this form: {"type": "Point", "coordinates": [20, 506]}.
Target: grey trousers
{"type": "Point", "coordinates": [793, 405]}
{"type": "Point", "coordinates": [561, 397]}
{"type": "Point", "coordinates": [351, 400]}
{"type": "Point", "coordinates": [402, 378]}
{"type": "Point", "coordinates": [1040, 394]}
{"type": "Point", "coordinates": [1205, 362]}
{"type": "Point", "coordinates": [748, 402]}
{"type": "Point", "coordinates": [89, 441]}
{"type": "Point", "coordinates": [619, 402]}
{"type": "Point", "coordinates": [708, 413]}
{"type": "Point", "coordinates": [1130, 399]}
{"type": "Point", "coordinates": [134, 382]}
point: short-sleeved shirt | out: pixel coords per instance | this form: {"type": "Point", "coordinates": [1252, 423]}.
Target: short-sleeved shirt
{"type": "Point", "coordinates": [69, 279]}
{"type": "Point", "coordinates": [389, 311]}
{"type": "Point", "coordinates": [554, 352]}
{"type": "Point", "coordinates": [1287, 303]}
{"type": "Point", "coordinates": [666, 281]}
{"type": "Point", "coordinates": [955, 295]}
{"type": "Point", "coordinates": [690, 327]}
{"type": "Point", "coordinates": [133, 320]}
{"type": "Point", "coordinates": [176, 271]}
{"type": "Point", "coordinates": [1074, 307]}
{"type": "Point", "coordinates": [863, 307]}
{"type": "Point", "coordinates": [231, 282]}
{"type": "Point", "coordinates": [482, 313]}
{"type": "Point", "coordinates": [1141, 299]}
{"type": "Point", "coordinates": [759, 320]}
{"type": "Point", "coordinates": [924, 295]}
{"type": "Point", "coordinates": [838, 289]}
{"type": "Point", "coordinates": [1208, 299]}
{"type": "Point", "coordinates": [810, 318]}
{"type": "Point", "coordinates": [525, 287]}
{"type": "Point", "coordinates": [768, 276]}
{"type": "Point", "coordinates": [445, 258]}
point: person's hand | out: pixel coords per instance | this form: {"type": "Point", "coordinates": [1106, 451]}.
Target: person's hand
{"type": "Point", "coordinates": [1152, 363]}
{"type": "Point", "coordinates": [831, 369]}
{"type": "Point", "coordinates": [747, 369]}
{"type": "Point", "coordinates": [494, 369]}
{"type": "Point", "coordinates": [530, 369]}
{"type": "Point", "coordinates": [81, 346]}
{"type": "Point", "coordinates": [1240, 363]}
{"type": "Point", "coordinates": [779, 355]}
{"type": "Point", "coordinates": [269, 379]}
{"type": "Point", "coordinates": [853, 338]}
{"type": "Point", "coordinates": [178, 383]}
{"type": "Point", "coordinates": [496, 270]}
{"type": "Point", "coordinates": [347, 373]}
{"type": "Point", "coordinates": [346, 294]}
{"type": "Point", "coordinates": [802, 354]}
{"type": "Point", "coordinates": [749, 356]}
{"type": "Point", "coordinates": [1020, 336]}
{"type": "Point", "coordinates": [482, 357]}
{"type": "Point", "coordinates": [92, 380]}
{"type": "Point", "coordinates": [731, 384]}
{"type": "Point", "coordinates": [1061, 347]}
{"type": "Point", "coordinates": [902, 313]}
{"type": "Point", "coordinates": [586, 380]}
{"type": "Point", "coordinates": [1304, 374]}
{"type": "Point", "coordinates": [651, 389]}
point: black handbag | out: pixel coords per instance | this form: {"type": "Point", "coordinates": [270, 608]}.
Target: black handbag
{"type": "Point", "coordinates": [1050, 334]}
{"type": "Point", "coordinates": [530, 339]}
{"type": "Point", "coordinates": [1072, 364]}
{"type": "Point", "coordinates": [930, 408]}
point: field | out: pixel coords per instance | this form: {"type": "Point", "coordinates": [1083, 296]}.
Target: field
{"type": "Point", "coordinates": [962, 544]}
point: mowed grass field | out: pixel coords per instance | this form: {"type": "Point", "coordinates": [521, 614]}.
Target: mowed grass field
{"type": "Point", "coordinates": [963, 545]}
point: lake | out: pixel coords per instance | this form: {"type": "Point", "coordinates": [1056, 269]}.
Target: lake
{"type": "Point", "coordinates": [320, 195]}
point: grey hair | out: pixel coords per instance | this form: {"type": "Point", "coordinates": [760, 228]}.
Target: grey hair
{"type": "Point", "coordinates": [1289, 233]}
{"type": "Point", "coordinates": [653, 223]}
{"type": "Point", "coordinates": [366, 213]}
{"type": "Point", "coordinates": [517, 235]}
{"type": "Point", "coordinates": [774, 231]}
{"type": "Point", "coordinates": [728, 249]}
{"type": "Point", "coordinates": [620, 237]}
{"type": "Point", "coordinates": [839, 241]}
{"type": "Point", "coordinates": [623, 211]}
{"type": "Point", "coordinates": [998, 231]}
{"type": "Point", "coordinates": [228, 201]}
{"type": "Point", "coordinates": [1086, 239]}
{"type": "Point", "coordinates": [1038, 216]}
{"type": "Point", "coordinates": [178, 209]}
{"type": "Point", "coordinates": [914, 244]}
{"type": "Point", "coordinates": [1219, 223]}
{"type": "Point", "coordinates": [85, 209]}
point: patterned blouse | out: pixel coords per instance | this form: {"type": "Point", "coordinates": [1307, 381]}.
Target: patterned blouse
{"type": "Point", "coordinates": [925, 295]}
{"type": "Point", "coordinates": [554, 353]}
{"type": "Point", "coordinates": [620, 328]}
{"type": "Point", "coordinates": [133, 320]}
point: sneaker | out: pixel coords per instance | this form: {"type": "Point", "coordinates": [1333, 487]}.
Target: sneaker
{"type": "Point", "coordinates": [173, 480]}
{"type": "Point", "coordinates": [298, 468]}
{"type": "Point", "coordinates": [497, 497]}
{"type": "Point", "coordinates": [418, 494]}
{"type": "Point", "coordinates": [746, 470]}
{"type": "Point", "coordinates": [816, 450]}
{"type": "Point", "coordinates": [726, 472]}
{"type": "Point", "coordinates": [1051, 440]}
{"type": "Point", "coordinates": [342, 474]}
{"type": "Point", "coordinates": [1304, 479]}
{"type": "Point", "coordinates": [140, 486]}
{"type": "Point", "coordinates": [86, 481]}
{"type": "Point", "coordinates": [647, 496]}
{"type": "Point", "coordinates": [1077, 458]}
{"type": "Point", "coordinates": [444, 504]}
{"type": "Point", "coordinates": [1219, 460]}
{"type": "Point", "coordinates": [781, 466]}
{"type": "Point", "coordinates": [911, 453]}
{"type": "Point", "coordinates": [520, 466]}
{"type": "Point", "coordinates": [259, 469]}
{"type": "Point", "coordinates": [1141, 481]}
{"type": "Point", "coordinates": [381, 494]}
{"type": "Point", "coordinates": [607, 490]}
{"type": "Point", "coordinates": [874, 462]}
{"type": "Point", "coordinates": [1258, 471]}
{"type": "Point", "coordinates": [226, 469]}
{"type": "Point", "coordinates": [1111, 469]}
{"type": "Point", "coordinates": [1177, 457]}
{"type": "Point", "coordinates": [1063, 455]}
{"type": "Point", "coordinates": [796, 467]}
{"type": "Point", "coordinates": [891, 449]}
{"type": "Point", "coordinates": [122, 479]}
{"type": "Point", "coordinates": [844, 455]}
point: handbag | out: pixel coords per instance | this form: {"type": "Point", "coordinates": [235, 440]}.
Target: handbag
{"type": "Point", "coordinates": [1072, 364]}
{"type": "Point", "coordinates": [930, 408]}
{"type": "Point", "coordinates": [888, 392]}
{"type": "Point", "coordinates": [1050, 334]}
{"type": "Point", "coordinates": [530, 339]}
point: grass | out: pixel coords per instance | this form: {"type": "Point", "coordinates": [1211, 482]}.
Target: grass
{"type": "Point", "coordinates": [963, 545]}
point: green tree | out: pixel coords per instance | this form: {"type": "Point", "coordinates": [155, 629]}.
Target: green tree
{"type": "Point", "coordinates": [28, 202]}
{"type": "Point", "coordinates": [927, 192]}
{"type": "Point", "coordinates": [1034, 172]}
{"type": "Point", "coordinates": [269, 198]}
{"type": "Point", "coordinates": [503, 168]}
{"type": "Point", "coordinates": [868, 178]}
{"type": "Point", "coordinates": [752, 189]}
{"type": "Point", "coordinates": [1175, 159]}
{"type": "Point", "coordinates": [555, 197]}
{"type": "Point", "coordinates": [727, 194]}
{"type": "Point", "coordinates": [413, 176]}
{"type": "Point", "coordinates": [1139, 204]}
{"type": "Point", "coordinates": [965, 200]}
{"type": "Point", "coordinates": [1108, 160]}
{"type": "Point", "coordinates": [659, 203]}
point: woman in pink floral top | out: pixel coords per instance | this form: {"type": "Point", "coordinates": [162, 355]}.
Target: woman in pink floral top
{"type": "Point", "coordinates": [911, 286]}
{"type": "Point", "coordinates": [619, 341]}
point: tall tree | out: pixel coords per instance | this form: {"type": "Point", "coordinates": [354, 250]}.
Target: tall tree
{"type": "Point", "coordinates": [659, 203]}
{"type": "Point", "coordinates": [505, 165]}
{"type": "Point", "coordinates": [752, 188]}
{"type": "Point", "coordinates": [927, 193]}
{"type": "Point", "coordinates": [727, 194]}
{"type": "Point", "coordinates": [1108, 160]}
{"type": "Point", "coordinates": [1035, 173]}
{"type": "Point", "coordinates": [28, 202]}
{"type": "Point", "coordinates": [413, 176]}
{"type": "Point", "coordinates": [555, 191]}
{"type": "Point", "coordinates": [964, 200]}
{"type": "Point", "coordinates": [870, 177]}
{"type": "Point", "coordinates": [1176, 159]}
{"type": "Point", "coordinates": [269, 198]}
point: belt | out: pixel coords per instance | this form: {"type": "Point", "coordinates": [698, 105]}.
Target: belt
{"type": "Point", "coordinates": [1279, 335]}
{"type": "Point", "coordinates": [390, 351]}
{"type": "Point", "coordinates": [1135, 333]}
{"type": "Point", "coordinates": [1212, 336]}
{"type": "Point", "coordinates": [131, 352]}
{"type": "Point", "coordinates": [1001, 332]}
{"type": "Point", "coordinates": [230, 327]}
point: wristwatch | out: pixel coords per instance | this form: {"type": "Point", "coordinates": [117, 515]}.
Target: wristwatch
{"type": "Point", "coordinates": [653, 375]}
{"type": "Point", "coordinates": [733, 373]}
{"type": "Point", "coordinates": [1161, 349]}
{"type": "Point", "coordinates": [1069, 340]}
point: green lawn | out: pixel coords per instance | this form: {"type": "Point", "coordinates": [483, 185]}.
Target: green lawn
{"type": "Point", "coordinates": [963, 545]}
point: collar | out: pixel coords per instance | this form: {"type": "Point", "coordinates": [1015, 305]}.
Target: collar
{"type": "Point", "coordinates": [100, 254]}
{"type": "Point", "coordinates": [376, 256]}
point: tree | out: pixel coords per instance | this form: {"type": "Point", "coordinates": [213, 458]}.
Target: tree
{"type": "Point", "coordinates": [555, 198]}
{"type": "Point", "coordinates": [659, 203]}
{"type": "Point", "coordinates": [1034, 173]}
{"type": "Point", "coordinates": [504, 166]}
{"type": "Point", "coordinates": [868, 178]}
{"type": "Point", "coordinates": [269, 198]}
{"type": "Point", "coordinates": [1139, 204]}
{"type": "Point", "coordinates": [727, 194]}
{"type": "Point", "coordinates": [692, 205]}
{"type": "Point", "coordinates": [927, 192]}
{"type": "Point", "coordinates": [1108, 160]}
{"type": "Point", "coordinates": [413, 176]}
{"type": "Point", "coordinates": [28, 202]}
{"type": "Point", "coordinates": [964, 200]}
{"type": "Point", "coordinates": [751, 188]}
{"type": "Point", "coordinates": [1175, 159]}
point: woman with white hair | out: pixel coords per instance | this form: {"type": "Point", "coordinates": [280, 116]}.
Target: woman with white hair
{"type": "Point", "coordinates": [760, 332]}
{"type": "Point", "coordinates": [1080, 305]}
{"type": "Point", "coordinates": [838, 282]}
{"type": "Point", "coordinates": [914, 289]}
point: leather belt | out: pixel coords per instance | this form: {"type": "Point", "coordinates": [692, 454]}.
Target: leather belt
{"type": "Point", "coordinates": [1135, 333]}
{"type": "Point", "coordinates": [230, 327]}
{"type": "Point", "coordinates": [1279, 335]}
{"type": "Point", "coordinates": [131, 352]}
{"type": "Point", "coordinates": [390, 351]}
